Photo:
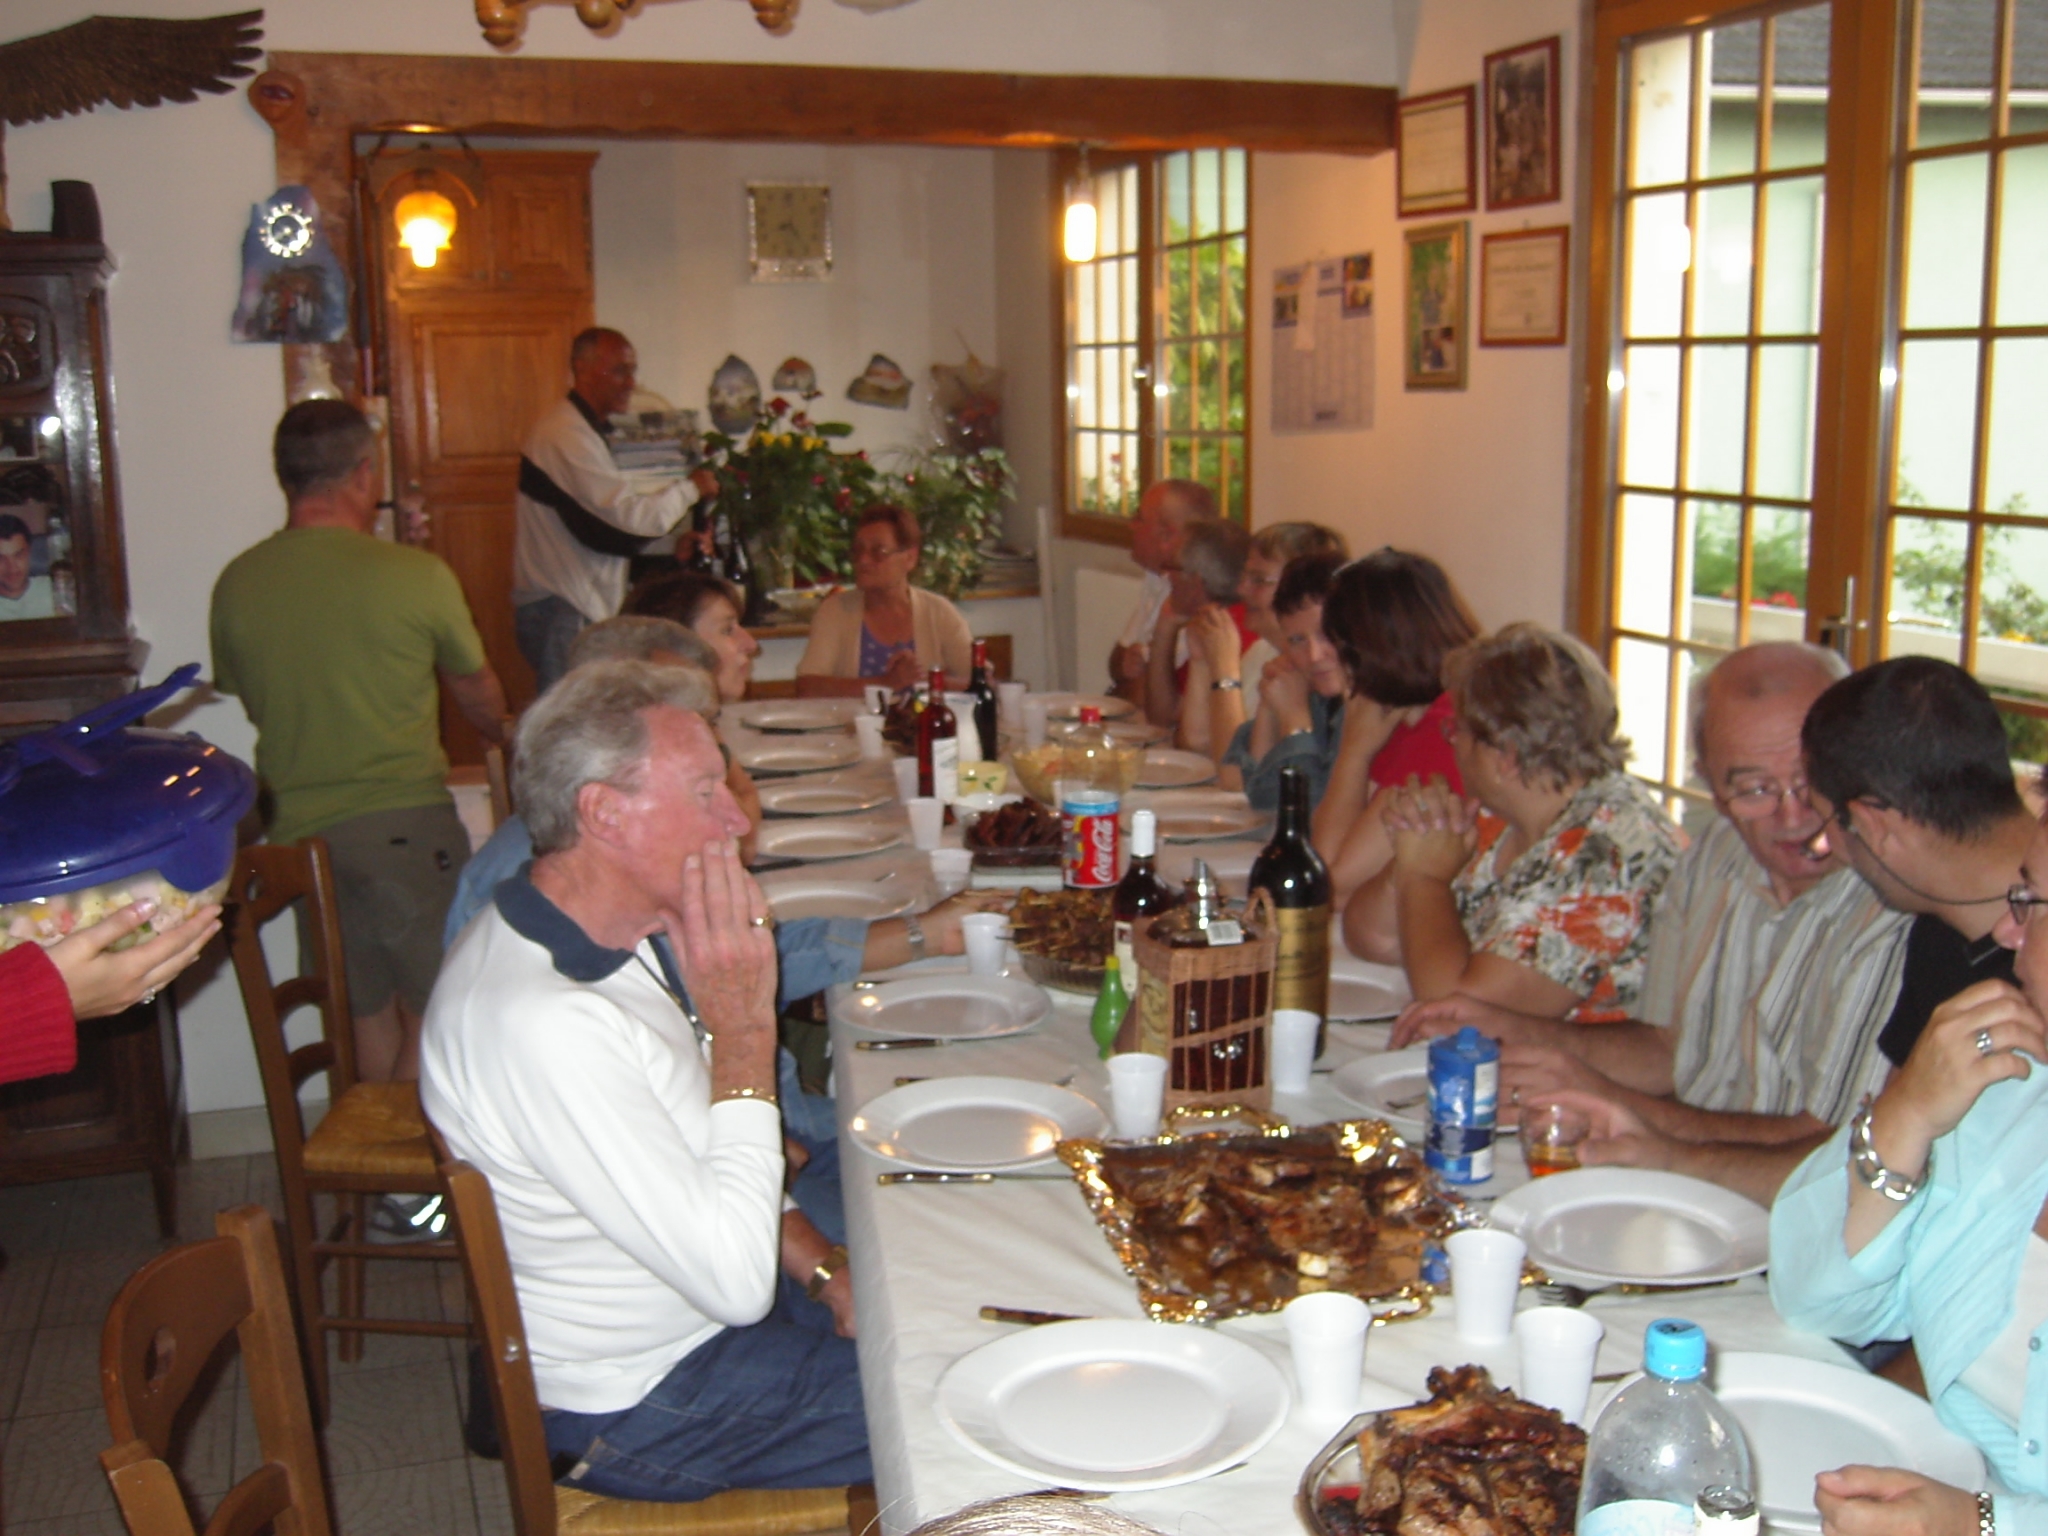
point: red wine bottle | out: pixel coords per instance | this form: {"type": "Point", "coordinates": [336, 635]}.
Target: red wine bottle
{"type": "Point", "coordinates": [982, 685]}
{"type": "Point", "coordinates": [938, 746]}
{"type": "Point", "coordinates": [1289, 871]}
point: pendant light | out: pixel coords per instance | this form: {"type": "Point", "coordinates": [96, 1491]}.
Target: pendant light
{"type": "Point", "coordinates": [426, 225]}
{"type": "Point", "coordinates": [1078, 230]}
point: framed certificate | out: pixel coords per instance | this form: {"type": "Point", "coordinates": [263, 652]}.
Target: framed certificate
{"type": "Point", "coordinates": [1523, 282]}
{"type": "Point", "coordinates": [1433, 146]}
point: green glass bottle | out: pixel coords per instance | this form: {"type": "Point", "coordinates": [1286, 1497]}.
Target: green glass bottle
{"type": "Point", "coordinates": [1110, 1004]}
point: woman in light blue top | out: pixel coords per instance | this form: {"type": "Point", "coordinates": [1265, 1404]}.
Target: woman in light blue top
{"type": "Point", "coordinates": [1924, 1217]}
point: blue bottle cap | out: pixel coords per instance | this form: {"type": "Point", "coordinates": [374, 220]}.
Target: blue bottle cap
{"type": "Point", "coordinates": [1674, 1349]}
{"type": "Point", "coordinates": [1468, 1038]}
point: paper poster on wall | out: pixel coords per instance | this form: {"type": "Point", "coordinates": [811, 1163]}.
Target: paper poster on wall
{"type": "Point", "coordinates": [1323, 345]}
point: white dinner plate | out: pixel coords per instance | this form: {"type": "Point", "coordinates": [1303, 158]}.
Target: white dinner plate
{"type": "Point", "coordinates": [1804, 1416]}
{"type": "Point", "coordinates": [944, 1007]}
{"type": "Point", "coordinates": [799, 895]}
{"type": "Point", "coordinates": [974, 1124]}
{"type": "Point", "coordinates": [1067, 706]}
{"type": "Point", "coordinates": [825, 838]}
{"type": "Point", "coordinates": [795, 754]}
{"type": "Point", "coordinates": [796, 714]}
{"type": "Point", "coordinates": [1194, 824]}
{"type": "Point", "coordinates": [1393, 1087]}
{"type": "Point", "coordinates": [1362, 990]}
{"type": "Point", "coordinates": [1114, 1405]}
{"type": "Point", "coordinates": [1636, 1226]}
{"type": "Point", "coordinates": [1171, 768]}
{"type": "Point", "coordinates": [809, 797]}
{"type": "Point", "coordinates": [1135, 733]}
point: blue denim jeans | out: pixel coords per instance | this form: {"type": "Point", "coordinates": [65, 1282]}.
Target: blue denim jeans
{"type": "Point", "coordinates": [776, 1405]}
{"type": "Point", "coordinates": [545, 629]}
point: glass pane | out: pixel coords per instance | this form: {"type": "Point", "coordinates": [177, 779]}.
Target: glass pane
{"type": "Point", "coordinates": [1108, 310]}
{"type": "Point", "coordinates": [1659, 252]}
{"type": "Point", "coordinates": [1208, 193]}
{"type": "Point", "coordinates": [1235, 393]}
{"type": "Point", "coordinates": [1234, 482]}
{"type": "Point", "coordinates": [1720, 277]}
{"type": "Point", "coordinates": [1733, 57]}
{"type": "Point", "coordinates": [1174, 451]}
{"type": "Point", "coordinates": [1716, 570]}
{"type": "Point", "coordinates": [1799, 89]}
{"type": "Point", "coordinates": [2027, 108]}
{"type": "Point", "coordinates": [1957, 39]}
{"type": "Point", "coordinates": [1233, 189]}
{"type": "Point", "coordinates": [1792, 240]}
{"type": "Point", "coordinates": [1778, 542]}
{"type": "Point", "coordinates": [1717, 407]}
{"type": "Point", "coordinates": [1649, 416]}
{"type": "Point", "coordinates": [1084, 391]}
{"type": "Point", "coordinates": [1209, 288]}
{"type": "Point", "coordinates": [1127, 201]}
{"type": "Point", "coordinates": [2023, 233]}
{"type": "Point", "coordinates": [2026, 736]}
{"type": "Point", "coordinates": [1642, 676]}
{"type": "Point", "coordinates": [2016, 479]}
{"type": "Point", "coordinates": [1087, 473]}
{"type": "Point", "coordinates": [1108, 213]}
{"type": "Point", "coordinates": [1209, 386]}
{"type": "Point", "coordinates": [1924, 611]}
{"type": "Point", "coordinates": [1209, 462]}
{"type": "Point", "coordinates": [1178, 208]}
{"type": "Point", "coordinates": [1644, 563]}
{"type": "Point", "coordinates": [1696, 816]}
{"type": "Point", "coordinates": [1180, 293]}
{"type": "Point", "coordinates": [1945, 212]}
{"type": "Point", "coordinates": [1081, 285]}
{"type": "Point", "coordinates": [1659, 110]}
{"type": "Point", "coordinates": [1784, 421]}
{"type": "Point", "coordinates": [1127, 287]}
{"type": "Point", "coordinates": [2012, 624]}
{"type": "Point", "coordinates": [1937, 423]}
{"type": "Point", "coordinates": [1122, 467]}
{"type": "Point", "coordinates": [1113, 383]}
{"type": "Point", "coordinates": [1233, 283]}
{"type": "Point", "coordinates": [1177, 392]}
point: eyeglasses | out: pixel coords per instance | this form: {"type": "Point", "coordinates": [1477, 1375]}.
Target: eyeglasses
{"type": "Point", "coordinates": [2023, 903]}
{"type": "Point", "coordinates": [869, 552]}
{"type": "Point", "coordinates": [1753, 802]}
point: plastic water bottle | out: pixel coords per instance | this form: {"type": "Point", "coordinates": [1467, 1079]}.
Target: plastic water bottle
{"type": "Point", "coordinates": [1664, 1452]}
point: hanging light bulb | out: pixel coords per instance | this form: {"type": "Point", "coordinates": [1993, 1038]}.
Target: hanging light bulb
{"type": "Point", "coordinates": [1079, 230]}
{"type": "Point", "coordinates": [426, 225]}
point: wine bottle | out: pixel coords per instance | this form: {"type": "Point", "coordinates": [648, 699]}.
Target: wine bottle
{"type": "Point", "coordinates": [938, 747]}
{"type": "Point", "coordinates": [1289, 872]}
{"type": "Point", "coordinates": [983, 687]}
{"type": "Point", "coordinates": [701, 540]}
{"type": "Point", "coordinates": [1141, 894]}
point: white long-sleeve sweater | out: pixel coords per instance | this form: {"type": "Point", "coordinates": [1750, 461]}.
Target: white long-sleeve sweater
{"type": "Point", "coordinates": [640, 1218]}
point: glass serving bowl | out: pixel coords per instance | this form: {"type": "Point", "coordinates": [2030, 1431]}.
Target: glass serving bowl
{"type": "Point", "coordinates": [1037, 767]}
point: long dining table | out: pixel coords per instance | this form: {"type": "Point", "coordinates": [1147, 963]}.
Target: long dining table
{"type": "Point", "coordinates": [927, 1257]}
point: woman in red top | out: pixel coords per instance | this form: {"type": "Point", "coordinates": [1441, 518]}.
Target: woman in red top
{"type": "Point", "coordinates": [1393, 618]}
{"type": "Point", "coordinates": [44, 991]}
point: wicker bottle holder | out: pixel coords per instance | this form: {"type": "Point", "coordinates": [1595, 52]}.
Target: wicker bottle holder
{"type": "Point", "coordinates": [1207, 1009]}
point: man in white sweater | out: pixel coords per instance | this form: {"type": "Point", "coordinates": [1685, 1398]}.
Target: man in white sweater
{"type": "Point", "coordinates": [601, 1043]}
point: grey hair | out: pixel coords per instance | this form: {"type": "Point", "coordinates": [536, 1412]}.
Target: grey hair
{"type": "Point", "coordinates": [1213, 553]}
{"type": "Point", "coordinates": [590, 339]}
{"type": "Point", "coordinates": [631, 637]}
{"type": "Point", "coordinates": [591, 728]}
{"type": "Point", "coordinates": [1034, 1515]}
{"type": "Point", "coordinates": [1759, 684]}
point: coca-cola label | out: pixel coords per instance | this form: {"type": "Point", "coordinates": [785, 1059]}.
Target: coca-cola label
{"type": "Point", "coordinates": [1091, 829]}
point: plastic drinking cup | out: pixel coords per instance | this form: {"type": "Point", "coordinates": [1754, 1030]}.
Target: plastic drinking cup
{"type": "Point", "coordinates": [1326, 1330]}
{"type": "Point", "coordinates": [927, 820]}
{"type": "Point", "coordinates": [988, 942]}
{"type": "Point", "coordinates": [1558, 1347]}
{"type": "Point", "coordinates": [952, 868]}
{"type": "Point", "coordinates": [1010, 704]}
{"type": "Point", "coordinates": [869, 729]}
{"type": "Point", "coordinates": [906, 778]}
{"type": "Point", "coordinates": [1486, 1276]}
{"type": "Point", "coordinates": [1294, 1048]}
{"type": "Point", "coordinates": [877, 696]}
{"type": "Point", "coordinates": [1033, 712]}
{"type": "Point", "coordinates": [1137, 1090]}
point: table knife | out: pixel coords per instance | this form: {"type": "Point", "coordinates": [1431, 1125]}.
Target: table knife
{"type": "Point", "coordinates": [904, 1044]}
{"type": "Point", "coordinates": [1026, 1316]}
{"type": "Point", "coordinates": [934, 1176]}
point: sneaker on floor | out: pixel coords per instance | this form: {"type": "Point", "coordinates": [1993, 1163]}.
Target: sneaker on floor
{"type": "Point", "coordinates": [407, 1219]}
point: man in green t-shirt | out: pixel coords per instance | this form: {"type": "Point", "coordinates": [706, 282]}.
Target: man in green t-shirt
{"type": "Point", "coordinates": [334, 639]}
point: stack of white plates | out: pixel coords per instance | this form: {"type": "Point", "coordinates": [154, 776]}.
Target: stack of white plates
{"type": "Point", "coordinates": [974, 1124]}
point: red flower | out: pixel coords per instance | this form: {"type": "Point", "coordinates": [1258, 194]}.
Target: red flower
{"type": "Point", "coordinates": [778, 406]}
{"type": "Point", "coordinates": [817, 479]}
{"type": "Point", "coordinates": [843, 502]}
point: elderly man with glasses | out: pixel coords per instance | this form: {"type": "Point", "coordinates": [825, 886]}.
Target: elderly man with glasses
{"type": "Point", "coordinates": [1771, 967]}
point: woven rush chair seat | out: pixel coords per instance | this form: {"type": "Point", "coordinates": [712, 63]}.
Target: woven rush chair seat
{"type": "Point", "coordinates": [741, 1512]}
{"type": "Point", "coordinates": [377, 1131]}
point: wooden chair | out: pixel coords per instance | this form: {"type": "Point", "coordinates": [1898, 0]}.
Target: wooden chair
{"type": "Point", "coordinates": [373, 1139]}
{"type": "Point", "coordinates": [160, 1333]}
{"type": "Point", "coordinates": [500, 785]}
{"type": "Point", "coordinates": [539, 1508]}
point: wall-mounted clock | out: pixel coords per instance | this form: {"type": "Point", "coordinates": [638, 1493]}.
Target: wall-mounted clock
{"type": "Point", "coordinates": [789, 231]}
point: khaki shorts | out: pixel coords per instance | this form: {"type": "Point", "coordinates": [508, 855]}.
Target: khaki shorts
{"type": "Point", "coordinates": [394, 877]}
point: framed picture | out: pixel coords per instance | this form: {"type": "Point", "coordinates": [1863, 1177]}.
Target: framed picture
{"type": "Point", "coordinates": [1434, 355]}
{"type": "Point", "coordinates": [789, 231]}
{"type": "Point", "coordinates": [1522, 286]}
{"type": "Point", "coordinates": [1433, 151]}
{"type": "Point", "coordinates": [1521, 125]}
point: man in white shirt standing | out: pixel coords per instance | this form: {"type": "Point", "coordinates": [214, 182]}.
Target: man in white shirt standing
{"type": "Point", "coordinates": [579, 520]}
{"type": "Point", "coordinates": [601, 1044]}
{"type": "Point", "coordinates": [1165, 512]}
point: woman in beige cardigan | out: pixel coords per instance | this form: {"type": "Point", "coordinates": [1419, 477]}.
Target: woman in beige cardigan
{"type": "Point", "coordinates": [884, 630]}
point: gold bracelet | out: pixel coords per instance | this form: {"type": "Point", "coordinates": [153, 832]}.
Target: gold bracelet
{"type": "Point", "coordinates": [830, 1265]}
{"type": "Point", "coordinates": [765, 1095]}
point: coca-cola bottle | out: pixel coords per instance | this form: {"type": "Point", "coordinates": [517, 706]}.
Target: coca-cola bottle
{"type": "Point", "coordinates": [938, 744]}
{"type": "Point", "coordinates": [1090, 789]}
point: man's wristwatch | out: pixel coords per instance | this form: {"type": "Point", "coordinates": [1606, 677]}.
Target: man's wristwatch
{"type": "Point", "coordinates": [830, 1265]}
{"type": "Point", "coordinates": [1227, 685]}
{"type": "Point", "coordinates": [913, 933]}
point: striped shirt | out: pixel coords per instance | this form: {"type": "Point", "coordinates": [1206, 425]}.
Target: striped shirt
{"type": "Point", "coordinates": [1778, 1008]}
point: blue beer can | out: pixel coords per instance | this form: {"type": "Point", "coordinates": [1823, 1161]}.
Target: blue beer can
{"type": "Point", "coordinates": [1464, 1095]}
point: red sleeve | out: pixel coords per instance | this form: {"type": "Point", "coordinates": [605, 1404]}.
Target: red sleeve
{"type": "Point", "coordinates": [1421, 749]}
{"type": "Point", "coordinates": [37, 1033]}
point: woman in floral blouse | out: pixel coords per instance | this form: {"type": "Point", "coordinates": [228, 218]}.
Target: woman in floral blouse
{"type": "Point", "coordinates": [1535, 893]}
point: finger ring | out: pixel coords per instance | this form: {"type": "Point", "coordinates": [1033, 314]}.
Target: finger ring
{"type": "Point", "coordinates": [1515, 1096]}
{"type": "Point", "coordinates": [150, 995]}
{"type": "Point", "coordinates": [761, 922]}
{"type": "Point", "coordinates": [1983, 1042]}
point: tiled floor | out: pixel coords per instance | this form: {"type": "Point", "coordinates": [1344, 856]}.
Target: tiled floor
{"type": "Point", "coordinates": [394, 1442]}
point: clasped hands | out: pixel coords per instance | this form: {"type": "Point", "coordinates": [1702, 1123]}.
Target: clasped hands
{"type": "Point", "coordinates": [1433, 830]}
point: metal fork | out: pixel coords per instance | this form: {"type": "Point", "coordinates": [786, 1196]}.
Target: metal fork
{"type": "Point", "coordinates": [1555, 1293]}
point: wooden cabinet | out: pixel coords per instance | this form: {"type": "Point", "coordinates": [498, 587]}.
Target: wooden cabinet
{"type": "Point", "coordinates": [479, 347]}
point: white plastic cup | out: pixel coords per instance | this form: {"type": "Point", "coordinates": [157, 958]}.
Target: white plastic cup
{"type": "Point", "coordinates": [1137, 1092]}
{"type": "Point", "coordinates": [927, 819]}
{"type": "Point", "coordinates": [988, 942]}
{"type": "Point", "coordinates": [1326, 1330]}
{"type": "Point", "coordinates": [906, 778]}
{"type": "Point", "coordinates": [952, 868]}
{"type": "Point", "coordinates": [1010, 704]}
{"type": "Point", "coordinates": [872, 744]}
{"type": "Point", "coordinates": [1486, 1276]}
{"type": "Point", "coordinates": [1558, 1347]}
{"type": "Point", "coordinates": [1294, 1048]}
{"type": "Point", "coordinates": [1033, 713]}
{"type": "Point", "coordinates": [877, 696]}
{"type": "Point", "coordinates": [962, 705]}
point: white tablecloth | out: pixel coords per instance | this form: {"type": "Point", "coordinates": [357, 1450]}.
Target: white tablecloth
{"type": "Point", "coordinates": [926, 1258]}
